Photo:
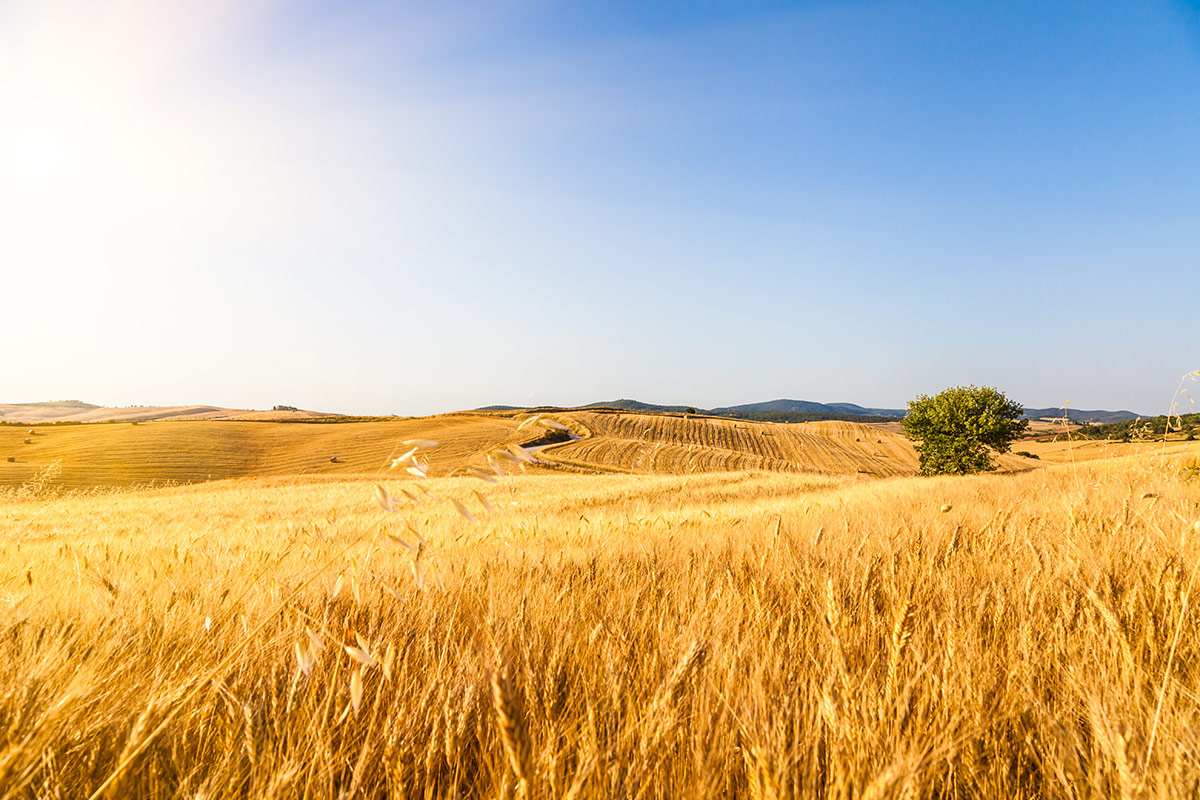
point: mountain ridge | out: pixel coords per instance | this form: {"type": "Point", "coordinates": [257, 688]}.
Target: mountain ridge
{"type": "Point", "coordinates": [780, 410]}
{"type": "Point", "coordinates": [786, 405]}
{"type": "Point", "coordinates": [798, 410]}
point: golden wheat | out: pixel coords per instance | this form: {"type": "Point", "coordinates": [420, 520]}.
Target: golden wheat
{"type": "Point", "coordinates": [722, 634]}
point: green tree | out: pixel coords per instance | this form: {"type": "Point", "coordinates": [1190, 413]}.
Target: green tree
{"type": "Point", "coordinates": [954, 432]}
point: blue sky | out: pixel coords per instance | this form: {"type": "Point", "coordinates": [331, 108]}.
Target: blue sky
{"type": "Point", "coordinates": [413, 208]}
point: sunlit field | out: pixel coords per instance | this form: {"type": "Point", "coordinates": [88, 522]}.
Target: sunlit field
{"type": "Point", "coordinates": [723, 634]}
{"type": "Point", "coordinates": [599, 400]}
{"type": "Point", "coordinates": [121, 454]}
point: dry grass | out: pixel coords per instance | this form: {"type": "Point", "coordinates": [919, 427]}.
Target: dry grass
{"type": "Point", "coordinates": [754, 634]}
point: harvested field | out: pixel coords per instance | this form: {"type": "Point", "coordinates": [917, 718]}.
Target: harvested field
{"type": "Point", "coordinates": [674, 444]}
{"type": "Point", "coordinates": [1067, 449]}
{"type": "Point", "coordinates": [121, 454]}
{"type": "Point", "coordinates": [124, 454]}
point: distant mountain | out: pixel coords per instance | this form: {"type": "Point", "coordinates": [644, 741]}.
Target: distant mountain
{"type": "Point", "coordinates": [785, 410]}
{"type": "Point", "coordinates": [637, 405]}
{"type": "Point", "coordinates": [808, 406]}
{"type": "Point", "coordinates": [776, 406]}
{"type": "Point", "coordinates": [624, 405]}
{"type": "Point", "coordinates": [851, 408]}
{"type": "Point", "coordinates": [773, 411]}
{"type": "Point", "coordinates": [1081, 415]}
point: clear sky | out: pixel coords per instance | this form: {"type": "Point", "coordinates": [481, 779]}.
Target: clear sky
{"type": "Point", "coordinates": [382, 207]}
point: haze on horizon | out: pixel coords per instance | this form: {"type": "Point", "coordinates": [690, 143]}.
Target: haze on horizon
{"type": "Point", "coordinates": [374, 209]}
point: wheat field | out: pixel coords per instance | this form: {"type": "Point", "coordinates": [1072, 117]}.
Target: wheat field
{"type": "Point", "coordinates": [748, 634]}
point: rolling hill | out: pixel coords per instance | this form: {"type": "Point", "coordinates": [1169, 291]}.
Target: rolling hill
{"type": "Point", "coordinates": [676, 444]}
{"type": "Point", "coordinates": [817, 412]}
{"type": "Point", "coordinates": [1081, 415]}
{"type": "Point", "coordinates": [76, 411]}
{"type": "Point", "coordinates": [812, 407]}
{"type": "Point", "coordinates": [747, 410]}
{"type": "Point", "coordinates": [637, 405]}
{"type": "Point", "coordinates": [185, 451]}
{"type": "Point", "coordinates": [116, 454]}
{"type": "Point", "coordinates": [785, 410]}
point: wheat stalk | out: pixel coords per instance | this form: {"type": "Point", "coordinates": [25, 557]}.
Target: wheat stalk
{"type": "Point", "coordinates": [902, 630]}
{"type": "Point", "coordinates": [513, 734]}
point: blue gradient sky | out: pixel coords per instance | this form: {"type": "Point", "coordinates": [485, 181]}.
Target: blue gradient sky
{"type": "Point", "coordinates": [412, 208]}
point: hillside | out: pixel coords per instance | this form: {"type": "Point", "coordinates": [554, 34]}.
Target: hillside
{"type": "Point", "coordinates": [785, 410]}
{"type": "Point", "coordinates": [30, 413]}
{"type": "Point", "coordinates": [120, 454]}
{"type": "Point", "coordinates": [190, 451]}
{"type": "Point", "coordinates": [630, 442]}
{"type": "Point", "coordinates": [774, 411]}
{"type": "Point", "coordinates": [76, 411]}
{"type": "Point", "coordinates": [637, 405]}
{"type": "Point", "coordinates": [673, 444]}
{"type": "Point", "coordinates": [1080, 415]}
{"type": "Point", "coordinates": [804, 410]}
{"type": "Point", "coordinates": [1142, 427]}
{"type": "Point", "coordinates": [809, 406]}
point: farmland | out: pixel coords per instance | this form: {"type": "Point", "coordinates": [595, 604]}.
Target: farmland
{"type": "Point", "coordinates": [599, 401]}
{"type": "Point", "coordinates": [188, 451]}
{"type": "Point", "coordinates": [653, 605]}
{"type": "Point", "coordinates": [675, 444]}
{"type": "Point", "coordinates": [113, 455]}
{"type": "Point", "coordinates": [765, 634]}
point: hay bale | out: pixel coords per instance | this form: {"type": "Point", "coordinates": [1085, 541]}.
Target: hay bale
{"type": "Point", "coordinates": [334, 460]}
{"type": "Point", "coordinates": [12, 459]}
{"type": "Point", "coordinates": [29, 441]}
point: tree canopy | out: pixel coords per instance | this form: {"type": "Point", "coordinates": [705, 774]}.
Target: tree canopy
{"type": "Point", "coordinates": [954, 432]}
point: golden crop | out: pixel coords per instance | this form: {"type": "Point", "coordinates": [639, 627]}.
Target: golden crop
{"type": "Point", "coordinates": [724, 634]}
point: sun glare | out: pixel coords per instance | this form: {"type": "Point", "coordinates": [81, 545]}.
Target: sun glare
{"type": "Point", "coordinates": [106, 119]}
{"type": "Point", "coordinates": [74, 123]}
